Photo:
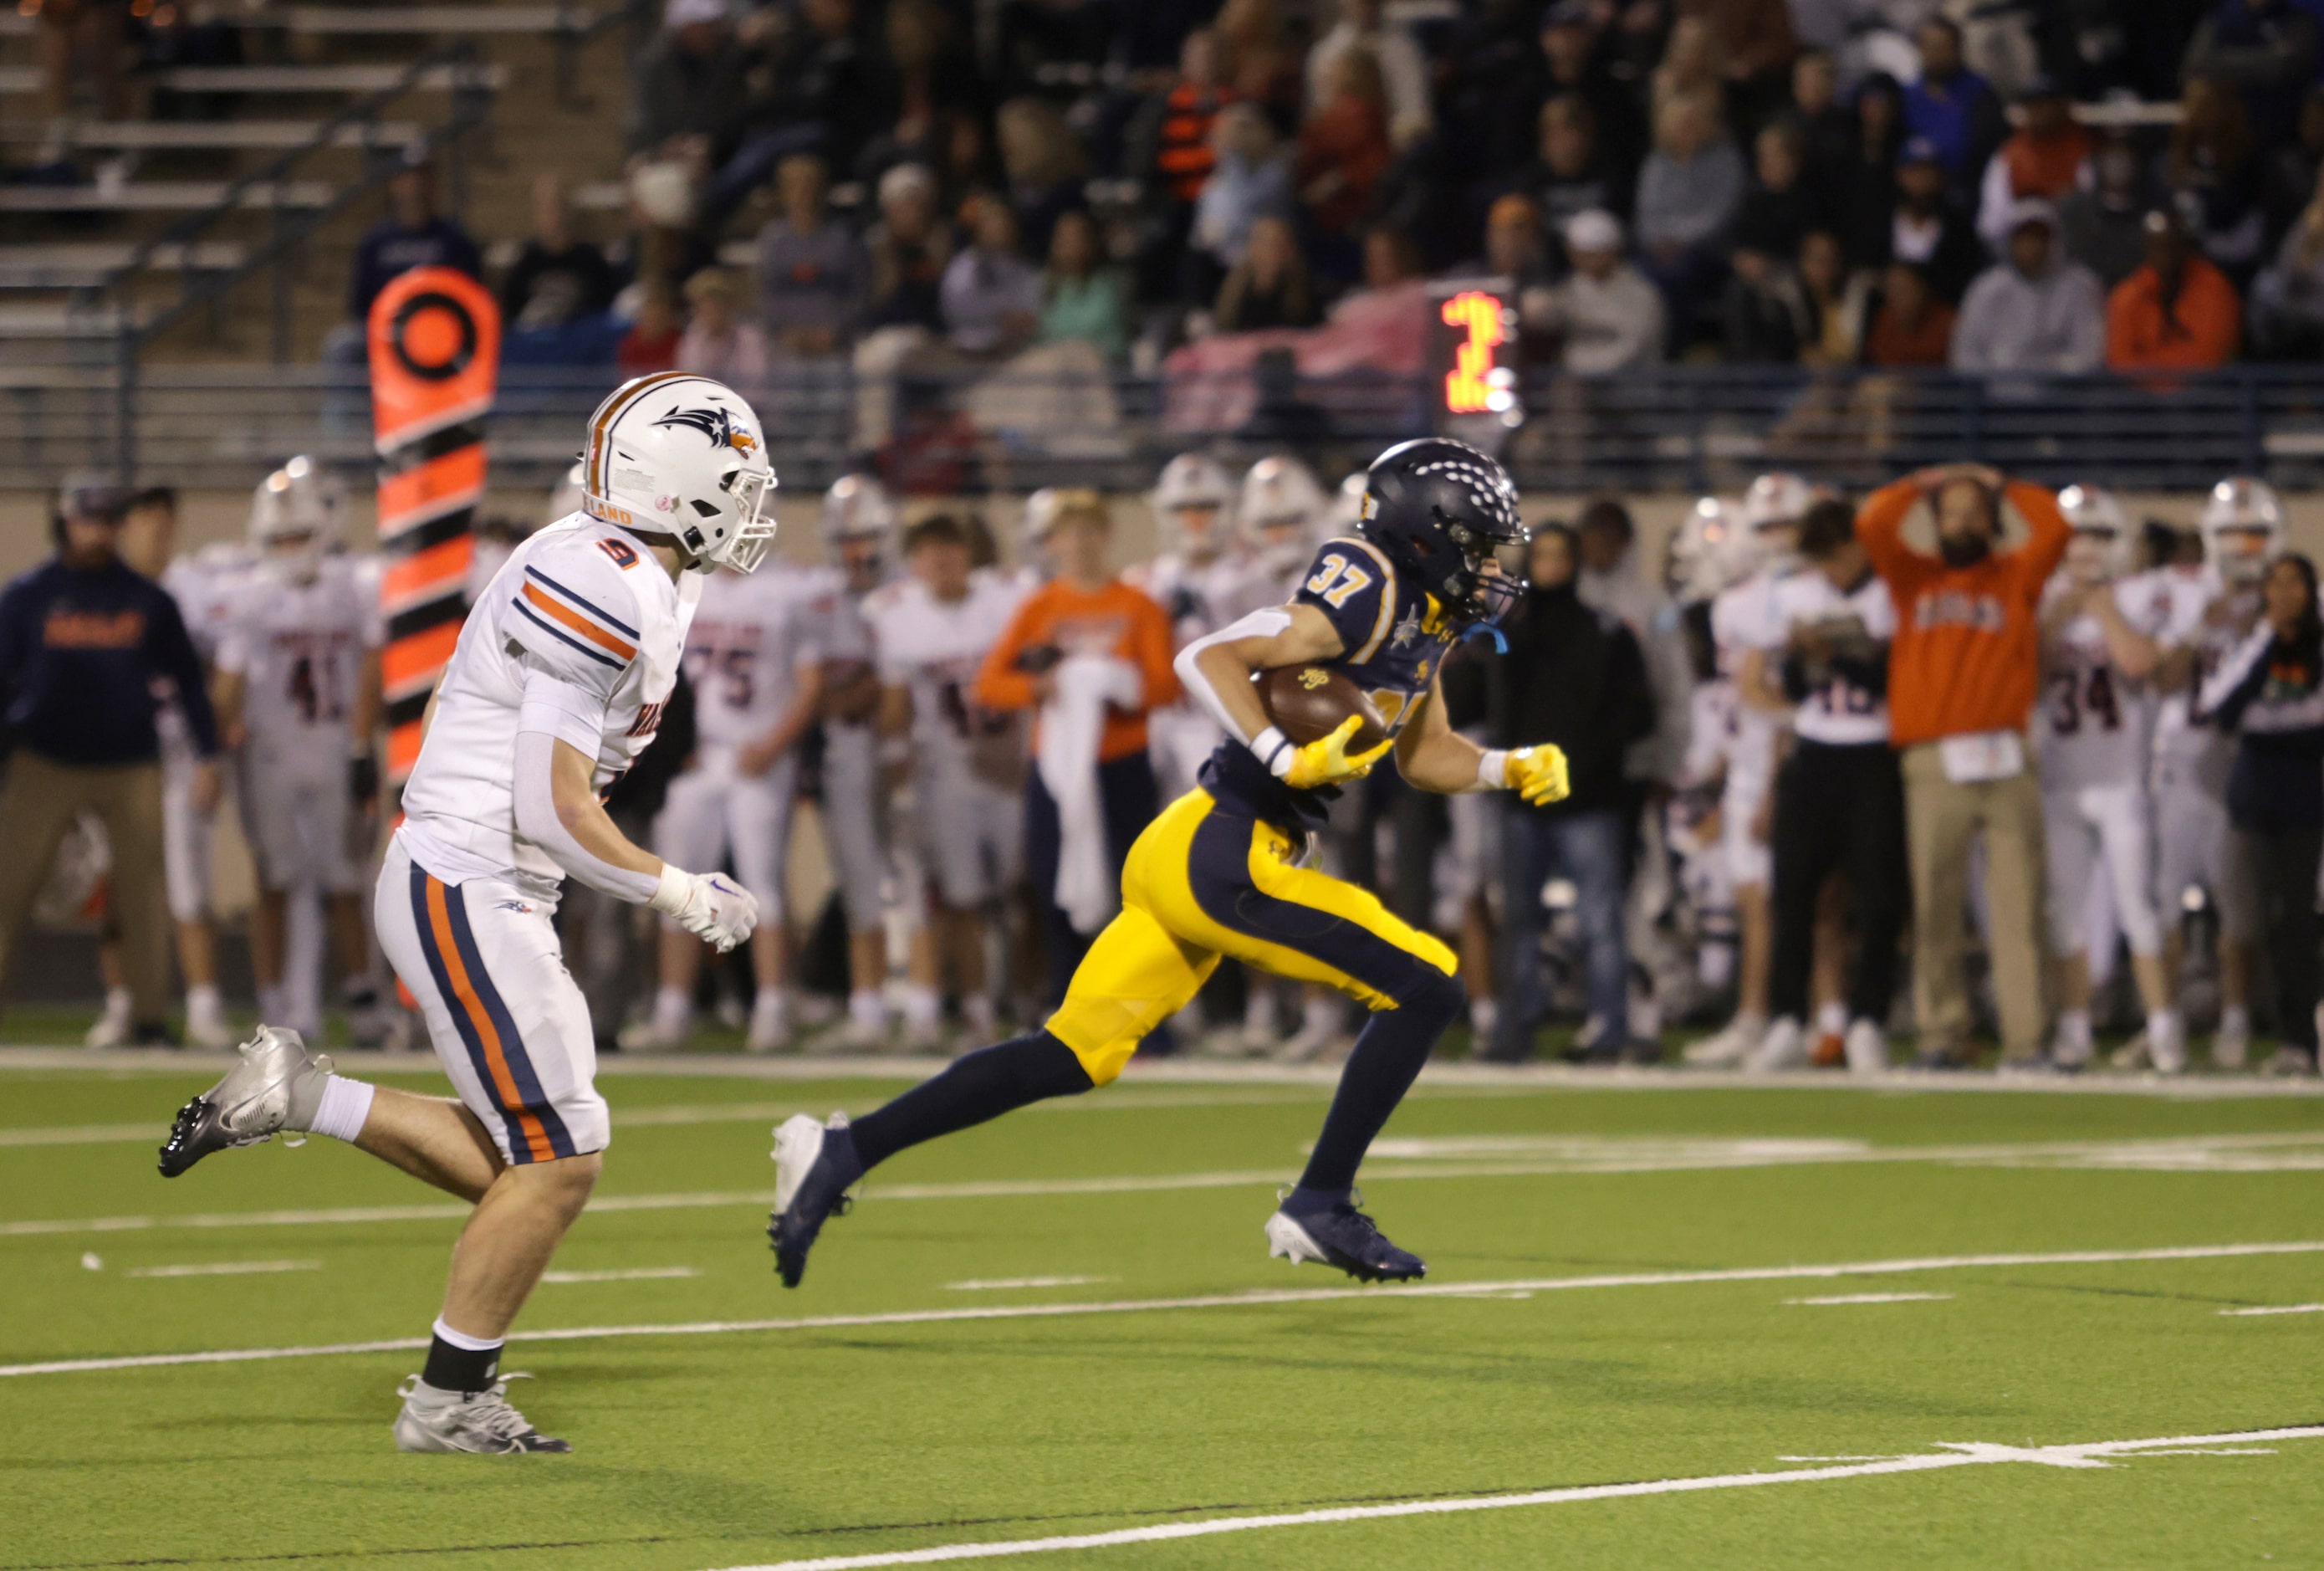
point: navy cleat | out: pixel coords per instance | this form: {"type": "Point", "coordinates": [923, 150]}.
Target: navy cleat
{"type": "Point", "coordinates": [815, 1165]}
{"type": "Point", "coordinates": [1336, 1232]}
{"type": "Point", "coordinates": [252, 1104]}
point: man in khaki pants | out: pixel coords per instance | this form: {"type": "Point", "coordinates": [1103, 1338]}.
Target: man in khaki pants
{"type": "Point", "coordinates": [84, 643]}
{"type": "Point", "coordinates": [1963, 676]}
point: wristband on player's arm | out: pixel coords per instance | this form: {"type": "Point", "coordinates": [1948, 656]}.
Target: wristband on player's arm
{"type": "Point", "coordinates": [1493, 769]}
{"type": "Point", "coordinates": [1272, 748]}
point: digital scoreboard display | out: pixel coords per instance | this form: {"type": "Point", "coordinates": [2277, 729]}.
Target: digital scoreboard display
{"type": "Point", "coordinates": [1477, 330]}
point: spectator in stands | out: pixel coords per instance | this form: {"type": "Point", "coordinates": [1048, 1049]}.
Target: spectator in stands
{"type": "Point", "coordinates": [718, 342]}
{"type": "Point", "coordinates": [83, 642]}
{"type": "Point", "coordinates": [1828, 130]}
{"type": "Point", "coordinates": [1754, 45]}
{"type": "Point", "coordinates": [1779, 209]}
{"type": "Point", "coordinates": [2104, 218]}
{"type": "Point", "coordinates": [2041, 158]}
{"type": "Point", "coordinates": [814, 91]}
{"type": "Point", "coordinates": [557, 279]}
{"type": "Point", "coordinates": [1688, 192]}
{"type": "Point", "coordinates": [1911, 324]}
{"type": "Point", "coordinates": [1607, 315]}
{"type": "Point", "coordinates": [1404, 69]}
{"type": "Point", "coordinates": [925, 88]}
{"type": "Point", "coordinates": [1269, 287]}
{"type": "Point", "coordinates": [1951, 105]}
{"type": "Point", "coordinates": [652, 343]}
{"type": "Point", "coordinates": [688, 88]}
{"type": "Point", "coordinates": [1082, 300]}
{"type": "Point", "coordinates": [992, 295]}
{"type": "Point", "coordinates": [1691, 68]}
{"type": "Point", "coordinates": [1266, 66]}
{"type": "Point", "coordinates": [1249, 180]}
{"type": "Point", "coordinates": [1764, 313]}
{"type": "Point", "coordinates": [1572, 175]}
{"type": "Point", "coordinates": [2038, 311]}
{"type": "Point", "coordinates": [1343, 146]}
{"type": "Point", "coordinates": [1961, 683]}
{"type": "Point", "coordinates": [814, 273]}
{"type": "Point", "coordinates": [1572, 676]}
{"type": "Point", "coordinates": [2292, 169]}
{"type": "Point", "coordinates": [2263, 50]}
{"type": "Point", "coordinates": [2210, 158]}
{"type": "Point", "coordinates": [412, 235]}
{"type": "Point", "coordinates": [906, 249]}
{"type": "Point", "coordinates": [1514, 248]}
{"type": "Point", "coordinates": [1927, 228]}
{"type": "Point", "coordinates": [1180, 123]}
{"type": "Point", "coordinates": [1575, 65]}
{"type": "Point", "coordinates": [1491, 71]}
{"type": "Point", "coordinates": [88, 33]}
{"type": "Point", "coordinates": [1861, 191]}
{"type": "Point", "coordinates": [2270, 691]}
{"type": "Point", "coordinates": [1839, 303]}
{"type": "Point", "coordinates": [1045, 165]}
{"type": "Point", "coordinates": [2287, 305]}
{"type": "Point", "coordinates": [2176, 312]}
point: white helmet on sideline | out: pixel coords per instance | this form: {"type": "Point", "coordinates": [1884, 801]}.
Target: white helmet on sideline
{"type": "Point", "coordinates": [1775, 502]}
{"type": "Point", "coordinates": [2242, 527]}
{"type": "Point", "coordinates": [294, 519]}
{"type": "Point", "coordinates": [1194, 506]}
{"type": "Point", "coordinates": [2104, 545]}
{"type": "Point", "coordinates": [1347, 510]}
{"type": "Point", "coordinates": [683, 457]}
{"type": "Point", "coordinates": [1711, 551]}
{"type": "Point", "coordinates": [566, 500]}
{"type": "Point", "coordinates": [1281, 513]}
{"type": "Point", "coordinates": [860, 526]}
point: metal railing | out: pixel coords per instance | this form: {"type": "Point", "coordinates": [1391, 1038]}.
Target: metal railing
{"type": "Point", "coordinates": [1670, 428]}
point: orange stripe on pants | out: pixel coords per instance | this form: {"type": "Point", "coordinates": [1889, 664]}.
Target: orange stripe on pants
{"type": "Point", "coordinates": [439, 920]}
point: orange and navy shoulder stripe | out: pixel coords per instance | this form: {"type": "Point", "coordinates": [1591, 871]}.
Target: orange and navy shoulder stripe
{"type": "Point", "coordinates": [535, 1133]}
{"type": "Point", "coordinates": [573, 619]}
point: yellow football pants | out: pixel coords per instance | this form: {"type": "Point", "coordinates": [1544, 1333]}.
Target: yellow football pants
{"type": "Point", "coordinates": [1203, 882]}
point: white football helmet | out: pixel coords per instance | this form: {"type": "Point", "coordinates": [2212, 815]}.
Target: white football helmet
{"type": "Point", "coordinates": [294, 519]}
{"type": "Point", "coordinates": [860, 529]}
{"type": "Point", "coordinates": [566, 500]}
{"type": "Point", "coordinates": [2242, 527]}
{"type": "Point", "coordinates": [683, 457]}
{"type": "Point", "coordinates": [1347, 509]}
{"type": "Point", "coordinates": [1281, 513]}
{"type": "Point", "coordinates": [1194, 506]}
{"type": "Point", "coordinates": [2104, 545]}
{"type": "Point", "coordinates": [1772, 503]}
{"type": "Point", "coordinates": [1711, 551]}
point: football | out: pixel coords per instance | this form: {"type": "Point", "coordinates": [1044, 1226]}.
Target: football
{"type": "Point", "coordinates": [1308, 703]}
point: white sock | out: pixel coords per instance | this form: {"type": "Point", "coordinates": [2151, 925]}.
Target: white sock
{"type": "Point", "coordinates": [2236, 1018]}
{"type": "Point", "coordinates": [1831, 1019]}
{"type": "Point", "coordinates": [2162, 1022]}
{"type": "Point", "coordinates": [1258, 1013]}
{"type": "Point", "coordinates": [202, 998]}
{"type": "Point", "coordinates": [273, 1007]}
{"type": "Point", "coordinates": [1320, 1016]}
{"type": "Point", "coordinates": [118, 1001]}
{"type": "Point", "coordinates": [2074, 1025]}
{"type": "Point", "coordinates": [866, 1007]}
{"type": "Point", "coordinates": [462, 1341]}
{"type": "Point", "coordinates": [1484, 1015]}
{"type": "Point", "coordinates": [923, 1006]}
{"type": "Point", "coordinates": [771, 1004]}
{"type": "Point", "coordinates": [346, 1105]}
{"type": "Point", "coordinates": [982, 1019]}
{"type": "Point", "coordinates": [673, 1008]}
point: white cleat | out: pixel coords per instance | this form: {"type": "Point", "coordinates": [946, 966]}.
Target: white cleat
{"type": "Point", "coordinates": [206, 1025]}
{"type": "Point", "coordinates": [771, 1031]}
{"type": "Point", "coordinates": [2132, 1057]}
{"type": "Point", "coordinates": [249, 1105]}
{"type": "Point", "coordinates": [480, 1422]}
{"type": "Point", "coordinates": [112, 1027]}
{"type": "Point", "coordinates": [1785, 1046]}
{"type": "Point", "coordinates": [2231, 1043]}
{"type": "Point", "coordinates": [655, 1036]}
{"type": "Point", "coordinates": [2166, 1045]}
{"type": "Point", "coordinates": [1728, 1048]}
{"type": "Point", "coordinates": [1867, 1049]}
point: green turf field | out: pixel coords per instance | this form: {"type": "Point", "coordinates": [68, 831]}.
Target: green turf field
{"type": "Point", "coordinates": [1633, 1322]}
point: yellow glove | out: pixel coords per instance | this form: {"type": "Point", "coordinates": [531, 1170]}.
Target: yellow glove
{"type": "Point", "coordinates": [1326, 759]}
{"type": "Point", "coordinates": [1538, 774]}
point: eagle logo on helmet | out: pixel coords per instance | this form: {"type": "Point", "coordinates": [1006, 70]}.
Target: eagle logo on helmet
{"type": "Point", "coordinates": [717, 424]}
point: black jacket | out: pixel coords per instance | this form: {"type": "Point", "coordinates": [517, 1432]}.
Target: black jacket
{"type": "Point", "coordinates": [1572, 676]}
{"type": "Point", "coordinates": [80, 654]}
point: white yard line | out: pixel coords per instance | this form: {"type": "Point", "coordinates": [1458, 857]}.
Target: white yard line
{"type": "Point", "coordinates": [2278, 1310]}
{"type": "Point", "coordinates": [1255, 1298]}
{"type": "Point", "coordinates": [650, 1273]}
{"type": "Point", "coordinates": [231, 1268]}
{"type": "Point", "coordinates": [1001, 1284]}
{"type": "Point", "coordinates": [1875, 1298]}
{"type": "Point", "coordinates": [1581, 1156]}
{"type": "Point", "coordinates": [1970, 1453]}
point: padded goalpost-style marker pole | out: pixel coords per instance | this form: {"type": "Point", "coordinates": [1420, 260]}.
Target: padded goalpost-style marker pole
{"type": "Point", "coordinates": [435, 361]}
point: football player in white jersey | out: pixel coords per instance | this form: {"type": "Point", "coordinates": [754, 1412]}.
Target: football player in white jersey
{"type": "Point", "coordinates": [2214, 606]}
{"type": "Point", "coordinates": [556, 684]}
{"type": "Point", "coordinates": [299, 698]}
{"type": "Point", "coordinates": [1204, 578]}
{"type": "Point", "coordinates": [1745, 628]}
{"type": "Point", "coordinates": [2101, 628]}
{"type": "Point", "coordinates": [932, 630]}
{"type": "Point", "coordinates": [860, 526]}
{"type": "Point", "coordinates": [752, 655]}
{"type": "Point", "coordinates": [1281, 513]}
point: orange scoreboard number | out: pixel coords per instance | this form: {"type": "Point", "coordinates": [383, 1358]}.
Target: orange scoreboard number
{"type": "Point", "coordinates": [1476, 318]}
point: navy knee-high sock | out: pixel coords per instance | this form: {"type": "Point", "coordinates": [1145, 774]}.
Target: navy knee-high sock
{"type": "Point", "coordinates": [977, 1086]}
{"type": "Point", "coordinates": [1389, 1053]}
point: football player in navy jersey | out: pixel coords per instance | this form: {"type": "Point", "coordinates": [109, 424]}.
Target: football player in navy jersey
{"type": "Point", "coordinates": [1435, 556]}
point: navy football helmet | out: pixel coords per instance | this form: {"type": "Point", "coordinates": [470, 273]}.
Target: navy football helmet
{"type": "Point", "coordinates": [1441, 510]}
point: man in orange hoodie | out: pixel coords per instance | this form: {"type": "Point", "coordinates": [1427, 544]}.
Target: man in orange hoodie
{"type": "Point", "coordinates": [2178, 312]}
{"type": "Point", "coordinates": [1962, 678]}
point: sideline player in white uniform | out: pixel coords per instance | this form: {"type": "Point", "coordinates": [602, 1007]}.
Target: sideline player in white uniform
{"type": "Point", "coordinates": [1205, 580]}
{"type": "Point", "coordinates": [556, 685]}
{"type": "Point", "coordinates": [757, 669]}
{"type": "Point", "coordinates": [1280, 512]}
{"type": "Point", "coordinates": [2100, 627]}
{"type": "Point", "coordinates": [1745, 627]}
{"type": "Point", "coordinates": [966, 767]}
{"type": "Point", "coordinates": [299, 698]}
{"type": "Point", "coordinates": [2242, 528]}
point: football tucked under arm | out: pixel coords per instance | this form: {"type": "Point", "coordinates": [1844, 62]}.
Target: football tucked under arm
{"type": "Point", "coordinates": [1218, 670]}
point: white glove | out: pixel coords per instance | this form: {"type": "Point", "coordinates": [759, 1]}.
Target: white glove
{"type": "Point", "coordinates": [706, 905]}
